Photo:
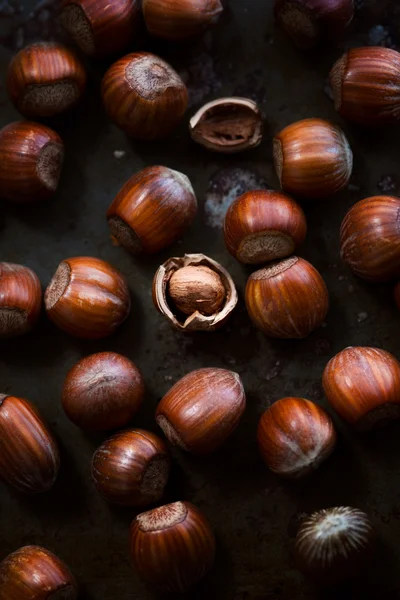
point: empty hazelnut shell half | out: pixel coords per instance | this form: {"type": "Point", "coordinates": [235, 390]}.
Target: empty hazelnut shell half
{"type": "Point", "coordinates": [198, 320]}
{"type": "Point", "coordinates": [228, 125]}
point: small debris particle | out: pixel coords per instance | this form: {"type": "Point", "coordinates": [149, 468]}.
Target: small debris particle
{"type": "Point", "coordinates": [380, 35]}
{"type": "Point", "coordinates": [351, 289]}
{"type": "Point", "coordinates": [387, 184]}
{"type": "Point", "coordinates": [274, 372]}
{"type": "Point", "coordinates": [341, 277]}
{"type": "Point", "coordinates": [118, 154]}
{"type": "Point", "coordinates": [352, 187]}
{"type": "Point", "coordinates": [167, 377]}
{"type": "Point", "coordinates": [362, 316]}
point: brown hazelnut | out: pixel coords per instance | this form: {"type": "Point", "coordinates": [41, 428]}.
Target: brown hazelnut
{"type": "Point", "coordinates": [31, 159]}
{"type": "Point", "coordinates": [144, 96]}
{"type": "Point", "coordinates": [152, 210]}
{"type": "Point", "coordinates": [45, 79]}
{"type": "Point", "coordinates": [194, 292]}
{"type": "Point", "coordinates": [180, 19]}
{"type": "Point", "coordinates": [196, 289]}
{"type": "Point", "coordinates": [100, 27]}
{"type": "Point", "coordinates": [102, 391]}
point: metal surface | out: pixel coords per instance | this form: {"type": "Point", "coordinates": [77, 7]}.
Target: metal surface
{"type": "Point", "coordinates": [252, 512]}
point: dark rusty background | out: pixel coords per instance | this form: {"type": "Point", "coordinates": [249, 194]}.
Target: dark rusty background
{"type": "Point", "coordinates": [252, 512]}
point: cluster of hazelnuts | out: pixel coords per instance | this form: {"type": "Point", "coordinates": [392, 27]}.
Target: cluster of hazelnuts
{"type": "Point", "coordinates": [173, 546]}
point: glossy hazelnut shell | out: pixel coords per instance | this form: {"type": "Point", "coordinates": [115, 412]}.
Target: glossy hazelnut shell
{"type": "Point", "coordinates": [31, 158]}
{"type": "Point", "coordinates": [172, 547]}
{"type": "Point", "coordinates": [295, 436]}
{"type": "Point", "coordinates": [131, 468]}
{"type": "Point", "coordinates": [370, 238]}
{"type": "Point", "coordinates": [365, 84]}
{"type": "Point", "coordinates": [29, 457]}
{"type": "Point", "coordinates": [334, 544]}
{"type": "Point", "coordinates": [202, 409]}
{"type": "Point", "coordinates": [287, 299]}
{"type": "Point", "coordinates": [20, 299]}
{"type": "Point", "coordinates": [87, 298]}
{"type": "Point", "coordinates": [100, 27]}
{"type": "Point", "coordinates": [45, 79]}
{"type": "Point", "coordinates": [263, 225]}
{"type": "Point", "coordinates": [227, 125]}
{"type": "Point", "coordinates": [310, 22]}
{"type": "Point", "coordinates": [362, 384]}
{"type": "Point", "coordinates": [312, 159]}
{"type": "Point", "coordinates": [152, 210]}
{"type": "Point", "coordinates": [144, 96]}
{"type": "Point", "coordinates": [34, 573]}
{"type": "Point", "coordinates": [102, 391]}
{"type": "Point", "coordinates": [180, 19]}
{"type": "Point", "coordinates": [197, 321]}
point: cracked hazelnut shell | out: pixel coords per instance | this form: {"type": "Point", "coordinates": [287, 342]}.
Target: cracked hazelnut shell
{"type": "Point", "coordinates": [228, 125]}
{"type": "Point", "coordinates": [197, 320]}
{"type": "Point", "coordinates": [263, 225]}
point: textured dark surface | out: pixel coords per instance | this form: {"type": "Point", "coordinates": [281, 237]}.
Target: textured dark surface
{"type": "Point", "coordinates": [253, 513]}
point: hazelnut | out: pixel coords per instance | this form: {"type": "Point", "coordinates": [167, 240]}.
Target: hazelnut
{"type": "Point", "coordinates": [194, 292]}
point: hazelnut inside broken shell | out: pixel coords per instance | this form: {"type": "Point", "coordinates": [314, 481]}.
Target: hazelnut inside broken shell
{"type": "Point", "coordinates": [228, 125]}
{"type": "Point", "coordinates": [194, 292]}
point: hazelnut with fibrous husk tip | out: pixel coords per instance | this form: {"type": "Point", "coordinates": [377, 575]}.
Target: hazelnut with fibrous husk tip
{"type": "Point", "coordinates": [334, 544]}
{"type": "Point", "coordinates": [194, 292]}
